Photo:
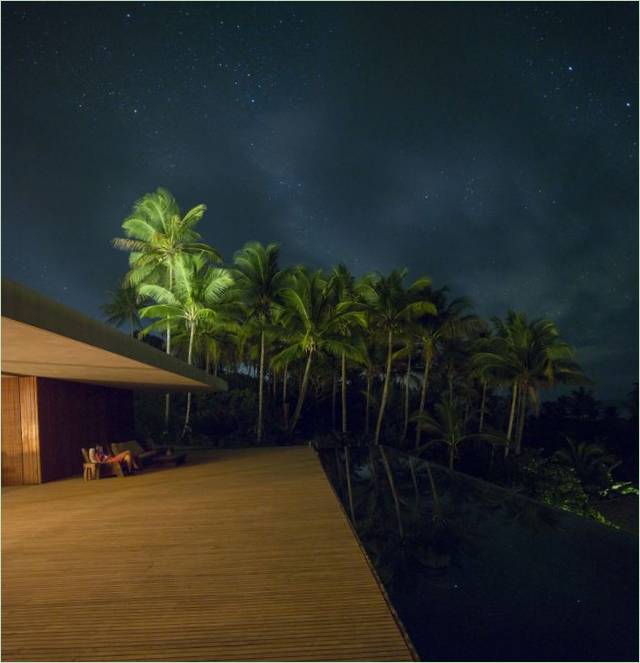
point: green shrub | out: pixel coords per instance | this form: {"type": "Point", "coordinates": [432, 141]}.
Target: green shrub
{"type": "Point", "coordinates": [550, 481]}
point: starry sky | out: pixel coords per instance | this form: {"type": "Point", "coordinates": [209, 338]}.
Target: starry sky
{"type": "Point", "coordinates": [492, 146]}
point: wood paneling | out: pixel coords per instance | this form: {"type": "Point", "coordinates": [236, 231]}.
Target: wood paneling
{"type": "Point", "coordinates": [74, 415]}
{"type": "Point", "coordinates": [238, 555]}
{"type": "Point", "coordinates": [29, 425]}
{"type": "Point", "coordinates": [12, 473]}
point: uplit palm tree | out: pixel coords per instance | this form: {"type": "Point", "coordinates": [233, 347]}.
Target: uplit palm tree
{"type": "Point", "coordinates": [391, 306]}
{"type": "Point", "coordinates": [156, 236]}
{"type": "Point", "coordinates": [313, 325]}
{"type": "Point", "coordinates": [258, 279]}
{"type": "Point", "coordinates": [122, 308]}
{"type": "Point", "coordinates": [527, 356]}
{"type": "Point", "coordinates": [408, 339]}
{"type": "Point", "coordinates": [369, 359]}
{"type": "Point", "coordinates": [197, 298]}
{"type": "Point", "coordinates": [347, 291]}
{"type": "Point", "coordinates": [451, 321]}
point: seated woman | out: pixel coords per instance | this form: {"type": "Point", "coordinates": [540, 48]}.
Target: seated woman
{"type": "Point", "coordinates": [126, 458]}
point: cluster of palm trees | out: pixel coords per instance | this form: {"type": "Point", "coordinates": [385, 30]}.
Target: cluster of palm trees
{"type": "Point", "coordinates": [293, 327]}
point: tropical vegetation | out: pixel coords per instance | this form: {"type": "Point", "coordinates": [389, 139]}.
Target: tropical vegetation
{"type": "Point", "coordinates": [308, 353]}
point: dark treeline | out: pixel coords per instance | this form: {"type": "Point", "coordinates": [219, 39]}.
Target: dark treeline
{"type": "Point", "coordinates": [372, 360]}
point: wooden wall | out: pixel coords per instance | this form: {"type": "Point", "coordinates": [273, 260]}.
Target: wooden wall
{"type": "Point", "coordinates": [12, 470]}
{"type": "Point", "coordinates": [20, 442]}
{"type": "Point", "coordinates": [45, 422]}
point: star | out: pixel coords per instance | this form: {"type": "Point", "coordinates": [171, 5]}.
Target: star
{"type": "Point", "coordinates": [570, 68]}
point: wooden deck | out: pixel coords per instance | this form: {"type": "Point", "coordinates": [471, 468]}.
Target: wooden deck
{"type": "Point", "coordinates": [238, 555]}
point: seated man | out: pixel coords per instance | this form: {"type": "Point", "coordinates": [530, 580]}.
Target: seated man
{"type": "Point", "coordinates": [98, 455]}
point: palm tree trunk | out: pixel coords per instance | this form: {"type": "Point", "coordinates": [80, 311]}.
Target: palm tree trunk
{"type": "Point", "coordinates": [414, 480]}
{"type": "Point", "coordinates": [207, 361]}
{"type": "Point", "coordinates": [482, 404]}
{"type": "Point", "coordinates": [514, 396]}
{"type": "Point", "coordinates": [392, 485]}
{"type": "Point", "coordinates": [344, 393]}
{"type": "Point", "coordinates": [521, 419]}
{"type": "Point", "coordinates": [385, 389]}
{"type": "Point", "coordinates": [334, 387]}
{"type": "Point", "coordinates": [367, 404]}
{"type": "Point", "coordinates": [192, 332]}
{"type": "Point", "coordinates": [406, 399]}
{"type": "Point", "coordinates": [303, 392]}
{"type": "Point", "coordinates": [347, 467]}
{"type": "Point", "coordinates": [260, 388]}
{"type": "Point", "coordinates": [167, 397]}
{"type": "Point", "coordinates": [285, 409]}
{"type": "Point", "coordinates": [452, 450]}
{"type": "Point", "coordinates": [423, 398]}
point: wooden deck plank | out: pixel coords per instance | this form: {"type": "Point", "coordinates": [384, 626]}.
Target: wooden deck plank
{"type": "Point", "coordinates": [238, 555]}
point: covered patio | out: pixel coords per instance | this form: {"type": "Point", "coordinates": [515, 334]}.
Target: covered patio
{"type": "Point", "coordinates": [238, 555]}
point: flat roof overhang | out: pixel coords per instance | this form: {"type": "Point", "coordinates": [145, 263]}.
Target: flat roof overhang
{"type": "Point", "coordinates": [44, 338]}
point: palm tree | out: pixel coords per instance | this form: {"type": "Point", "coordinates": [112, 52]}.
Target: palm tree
{"type": "Point", "coordinates": [368, 360]}
{"type": "Point", "coordinates": [313, 325]}
{"type": "Point", "coordinates": [480, 372]}
{"type": "Point", "coordinates": [391, 306]}
{"type": "Point", "coordinates": [122, 308]}
{"type": "Point", "coordinates": [258, 282]}
{"type": "Point", "coordinates": [527, 355]}
{"type": "Point", "coordinates": [198, 298]}
{"type": "Point", "coordinates": [214, 340]}
{"type": "Point", "coordinates": [156, 236]}
{"type": "Point", "coordinates": [450, 322]}
{"type": "Point", "coordinates": [408, 340]}
{"type": "Point", "coordinates": [447, 427]}
{"type": "Point", "coordinates": [346, 291]}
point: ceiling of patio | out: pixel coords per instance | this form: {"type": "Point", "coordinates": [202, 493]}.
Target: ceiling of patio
{"type": "Point", "coordinates": [43, 338]}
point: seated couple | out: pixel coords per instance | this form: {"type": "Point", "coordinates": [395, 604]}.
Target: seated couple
{"type": "Point", "coordinates": [126, 459]}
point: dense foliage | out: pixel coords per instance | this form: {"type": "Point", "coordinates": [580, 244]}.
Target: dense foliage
{"type": "Point", "coordinates": [379, 359]}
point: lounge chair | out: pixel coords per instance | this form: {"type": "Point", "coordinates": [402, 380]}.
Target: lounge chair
{"type": "Point", "coordinates": [143, 455]}
{"type": "Point", "coordinates": [91, 470]}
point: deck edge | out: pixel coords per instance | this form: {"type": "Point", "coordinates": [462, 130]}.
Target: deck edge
{"type": "Point", "coordinates": [401, 627]}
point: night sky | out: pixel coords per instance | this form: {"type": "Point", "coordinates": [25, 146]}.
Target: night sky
{"type": "Point", "coordinates": [490, 146]}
